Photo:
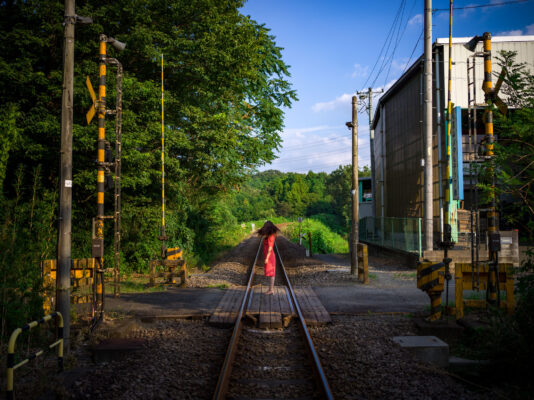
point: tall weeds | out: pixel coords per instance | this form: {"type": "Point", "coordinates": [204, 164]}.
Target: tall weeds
{"type": "Point", "coordinates": [27, 236]}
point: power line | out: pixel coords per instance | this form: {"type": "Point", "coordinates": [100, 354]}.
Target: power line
{"type": "Point", "coordinates": [398, 40]}
{"type": "Point", "coordinates": [318, 142]}
{"type": "Point", "coordinates": [394, 28]}
{"type": "Point", "coordinates": [300, 158]}
{"type": "Point", "coordinates": [413, 51]}
{"type": "Point", "coordinates": [321, 166]}
{"type": "Point", "coordinates": [383, 46]}
{"type": "Point", "coordinates": [504, 3]}
{"type": "Point", "coordinates": [287, 162]}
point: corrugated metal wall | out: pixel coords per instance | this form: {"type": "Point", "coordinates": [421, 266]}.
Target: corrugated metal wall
{"type": "Point", "coordinates": [404, 150]}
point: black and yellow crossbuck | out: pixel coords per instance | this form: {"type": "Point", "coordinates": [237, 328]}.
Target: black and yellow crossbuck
{"type": "Point", "coordinates": [173, 267]}
{"type": "Point", "coordinates": [82, 274]}
{"type": "Point", "coordinates": [430, 279]}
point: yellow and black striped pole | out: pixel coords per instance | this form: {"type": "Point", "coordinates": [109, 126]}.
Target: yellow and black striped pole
{"type": "Point", "coordinates": [448, 186]}
{"type": "Point", "coordinates": [101, 150]}
{"type": "Point", "coordinates": [11, 366]}
{"type": "Point", "coordinates": [163, 236]}
{"type": "Point", "coordinates": [493, 220]}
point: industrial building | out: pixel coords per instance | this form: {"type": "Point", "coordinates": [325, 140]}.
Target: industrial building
{"type": "Point", "coordinates": [399, 137]}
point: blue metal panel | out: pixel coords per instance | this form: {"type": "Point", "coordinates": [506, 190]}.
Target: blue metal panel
{"type": "Point", "coordinates": [459, 154]}
{"type": "Point", "coordinates": [456, 164]}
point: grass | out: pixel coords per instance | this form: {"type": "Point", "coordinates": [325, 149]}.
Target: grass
{"type": "Point", "coordinates": [405, 275]}
{"type": "Point", "coordinates": [219, 286]}
{"type": "Point", "coordinates": [372, 276]}
{"type": "Point", "coordinates": [136, 283]}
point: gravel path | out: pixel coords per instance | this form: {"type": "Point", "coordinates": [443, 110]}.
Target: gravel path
{"type": "Point", "coordinates": [362, 362]}
{"type": "Point", "coordinates": [179, 360]}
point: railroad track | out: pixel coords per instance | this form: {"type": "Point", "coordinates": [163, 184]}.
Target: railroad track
{"type": "Point", "coordinates": [261, 364]}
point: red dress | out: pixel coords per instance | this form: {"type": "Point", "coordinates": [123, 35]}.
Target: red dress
{"type": "Point", "coordinates": [270, 266]}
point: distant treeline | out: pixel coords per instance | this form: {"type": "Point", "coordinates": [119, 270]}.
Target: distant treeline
{"type": "Point", "coordinates": [273, 193]}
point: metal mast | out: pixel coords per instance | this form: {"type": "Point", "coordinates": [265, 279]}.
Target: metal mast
{"type": "Point", "coordinates": [369, 94]}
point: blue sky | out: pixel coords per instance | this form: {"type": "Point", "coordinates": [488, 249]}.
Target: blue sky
{"type": "Point", "coordinates": [332, 47]}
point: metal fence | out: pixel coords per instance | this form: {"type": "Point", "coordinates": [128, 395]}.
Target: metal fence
{"type": "Point", "coordinates": [396, 233]}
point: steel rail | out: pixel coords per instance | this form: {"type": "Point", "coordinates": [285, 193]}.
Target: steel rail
{"type": "Point", "coordinates": [325, 387]}
{"type": "Point", "coordinates": [224, 377]}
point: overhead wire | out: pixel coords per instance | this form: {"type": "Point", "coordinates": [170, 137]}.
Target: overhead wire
{"type": "Point", "coordinates": [382, 49]}
{"type": "Point", "coordinates": [413, 51]}
{"type": "Point", "coordinates": [394, 28]}
{"type": "Point", "coordinates": [504, 3]}
{"type": "Point", "coordinates": [398, 39]}
{"type": "Point", "coordinates": [306, 157]}
{"type": "Point", "coordinates": [318, 142]}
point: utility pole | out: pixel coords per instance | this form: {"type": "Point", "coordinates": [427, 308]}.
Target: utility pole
{"type": "Point", "coordinates": [493, 218]}
{"type": "Point", "coordinates": [355, 192]}
{"type": "Point", "coordinates": [65, 189]}
{"type": "Point", "coordinates": [427, 125]}
{"type": "Point", "coordinates": [369, 94]}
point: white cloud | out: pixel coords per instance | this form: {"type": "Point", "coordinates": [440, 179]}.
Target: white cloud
{"type": "Point", "coordinates": [516, 32]}
{"type": "Point", "coordinates": [322, 149]}
{"type": "Point", "coordinates": [342, 100]}
{"type": "Point", "coordinates": [527, 30]}
{"type": "Point", "coordinates": [360, 71]}
{"type": "Point", "coordinates": [417, 19]}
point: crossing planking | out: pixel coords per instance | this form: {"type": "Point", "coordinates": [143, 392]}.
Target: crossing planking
{"type": "Point", "coordinates": [312, 309]}
{"type": "Point", "coordinates": [226, 311]}
{"type": "Point", "coordinates": [270, 311]}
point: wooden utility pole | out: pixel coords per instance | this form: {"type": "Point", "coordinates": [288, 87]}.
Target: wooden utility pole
{"type": "Point", "coordinates": [369, 95]}
{"type": "Point", "coordinates": [355, 192]}
{"type": "Point", "coordinates": [427, 126]}
{"type": "Point", "coordinates": [65, 190]}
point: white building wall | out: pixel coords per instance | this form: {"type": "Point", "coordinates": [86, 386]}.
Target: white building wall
{"type": "Point", "coordinates": [523, 45]}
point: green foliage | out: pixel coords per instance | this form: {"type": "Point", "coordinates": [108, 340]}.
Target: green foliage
{"type": "Point", "coordinates": [27, 236]}
{"type": "Point", "coordinates": [510, 341]}
{"type": "Point", "coordinates": [325, 196]}
{"type": "Point", "coordinates": [323, 239]}
{"type": "Point", "coordinates": [225, 86]}
{"type": "Point", "coordinates": [514, 150]}
{"type": "Point", "coordinates": [225, 89]}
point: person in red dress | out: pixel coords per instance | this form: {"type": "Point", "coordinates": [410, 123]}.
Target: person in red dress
{"type": "Point", "coordinates": [269, 231]}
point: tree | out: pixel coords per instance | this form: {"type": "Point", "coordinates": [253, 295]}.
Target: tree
{"type": "Point", "coordinates": [226, 85]}
{"type": "Point", "coordinates": [514, 150]}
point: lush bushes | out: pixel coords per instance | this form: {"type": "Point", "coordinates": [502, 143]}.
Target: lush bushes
{"type": "Point", "coordinates": [323, 239]}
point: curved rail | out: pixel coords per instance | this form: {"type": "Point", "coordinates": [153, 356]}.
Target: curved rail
{"type": "Point", "coordinates": [324, 386]}
{"type": "Point", "coordinates": [224, 377]}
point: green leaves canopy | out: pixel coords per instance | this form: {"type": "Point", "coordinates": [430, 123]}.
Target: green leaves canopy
{"type": "Point", "coordinates": [225, 86]}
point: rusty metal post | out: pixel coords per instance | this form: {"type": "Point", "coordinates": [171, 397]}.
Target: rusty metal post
{"type": "Point", "coordinates": [310, 242]}
{"type": "Point", "coordinates": [493, 220]}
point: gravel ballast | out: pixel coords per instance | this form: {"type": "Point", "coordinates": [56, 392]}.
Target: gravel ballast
{"type": "Point", "coordinates": [180, 359]}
